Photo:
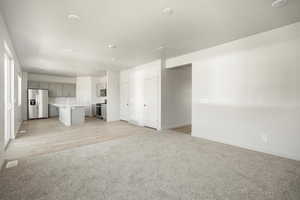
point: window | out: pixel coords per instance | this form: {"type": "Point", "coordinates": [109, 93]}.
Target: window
{"type": "Point", "coordinates": [19, 90]}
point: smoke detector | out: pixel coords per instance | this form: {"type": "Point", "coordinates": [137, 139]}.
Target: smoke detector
{"type": "Point", "coordinates": [279, 3]}
{"type": "Point", "coordinates": [73, 17]}
{"type": "Point", "coordinates": [112, 46]}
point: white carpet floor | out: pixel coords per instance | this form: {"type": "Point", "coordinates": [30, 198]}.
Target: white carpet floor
{"type": "Point", "coordinates": [152, 165]}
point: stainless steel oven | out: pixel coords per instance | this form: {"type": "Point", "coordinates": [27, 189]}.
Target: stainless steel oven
{"type": "Point", "coordinates": [101, 111]}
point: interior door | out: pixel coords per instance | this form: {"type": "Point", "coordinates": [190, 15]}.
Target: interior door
{"type": "Point", "coordinates": [124, 93]}
{"type": "Point", "coordinates": [8, 98]}
{"type": "Point", "coordinates": [151, 102]}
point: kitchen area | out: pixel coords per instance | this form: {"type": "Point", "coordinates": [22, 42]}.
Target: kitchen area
{"type": "Point", "coordinates": [70, 99]}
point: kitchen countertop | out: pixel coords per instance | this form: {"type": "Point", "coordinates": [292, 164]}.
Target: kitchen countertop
{"type": "Point", "coordinates": [68, 105]}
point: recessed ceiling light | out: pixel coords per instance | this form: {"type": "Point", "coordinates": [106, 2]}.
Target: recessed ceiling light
{"type": "Point", "coordinates": [73, 17]}
{"type": "Point", "coordinates": [112, 46]}
{"type": "Point", "coordinates": [160, 48]}
{"type": "Point", "coordinates": [279, 3]}
{"type": "Point", "coordinates": [167, 11]}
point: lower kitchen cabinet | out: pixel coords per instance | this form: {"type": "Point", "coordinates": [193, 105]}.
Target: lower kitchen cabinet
{"type": "Point", "coordinates": [53, 111]}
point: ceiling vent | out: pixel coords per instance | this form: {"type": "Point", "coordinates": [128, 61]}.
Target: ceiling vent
{"type": "Point", "coordinates": [279, 3]}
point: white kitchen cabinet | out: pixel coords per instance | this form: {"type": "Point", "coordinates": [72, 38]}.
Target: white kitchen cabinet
{"type": "Point", "coordinates": [53, 111]}
{"type": "Point", "coordinates": [71, 115]}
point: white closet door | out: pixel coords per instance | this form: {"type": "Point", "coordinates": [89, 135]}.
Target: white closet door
{"type": "Point", "coordinates": [124, 108]}
{"type": "Point", "coordinates": [151, 102]}
{"type": "Point", "coordinates": [136, 97]}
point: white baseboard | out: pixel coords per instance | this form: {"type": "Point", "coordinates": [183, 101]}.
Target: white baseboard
{"type": "Point", "coordinates": [1, 164]}
{"type": "Point", "coordinates": [250, 147]}
{"type": "Point", "coordinates": [177, 125]}
{"type": "Point", "coordinates": [18, 127]}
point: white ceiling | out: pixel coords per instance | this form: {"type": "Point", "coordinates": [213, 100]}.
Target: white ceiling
{"type": "Point", "coordinates": [41, 31]}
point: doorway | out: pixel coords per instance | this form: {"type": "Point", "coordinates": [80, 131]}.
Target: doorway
{"type": "Point", "coordinates": [8, 97]}
{"type": "Point", "coordinates": [179, 99]}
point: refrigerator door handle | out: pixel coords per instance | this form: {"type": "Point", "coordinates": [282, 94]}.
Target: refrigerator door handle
{"type": "Point", "coordinates": [36, 100]}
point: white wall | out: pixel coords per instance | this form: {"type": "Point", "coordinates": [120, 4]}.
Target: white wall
{"type": "Point", "coordinates": [84, 93]}
{"type": "Point", "coordinates": [4, 37]}
{"type": "Point", "coordinates": [247, 92]}
{"type": "Point", "coordinates": [18, 108]}
{"type": "Point", "coordinates": [178, 96]}
{"type": "Point", "coordinates": [51, 78]}
{"type": "Point", "coordinates": [113, 96]}
{"type": "Point", "coordinates": [24, 94]}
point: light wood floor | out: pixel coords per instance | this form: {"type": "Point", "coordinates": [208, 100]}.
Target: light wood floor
{"type": "Point", "coordinates": [49, 135]}
{"type": "Point", "coordinates": [183, 129]}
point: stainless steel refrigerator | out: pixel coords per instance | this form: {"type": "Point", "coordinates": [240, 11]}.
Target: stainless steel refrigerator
{"type": "Point", "coordinates": [37, 103]}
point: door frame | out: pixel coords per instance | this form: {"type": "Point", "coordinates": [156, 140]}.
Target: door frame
{"type": "Point", "coordinates": [9, 101]}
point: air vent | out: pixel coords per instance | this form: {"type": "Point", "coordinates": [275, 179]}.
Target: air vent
{"type": "Point", "coordinates": [279, 3]}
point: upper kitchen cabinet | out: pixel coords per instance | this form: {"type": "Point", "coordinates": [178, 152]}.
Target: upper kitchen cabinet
{"type": "Point", "coordinates": [52, 90]}
{"type": "Point", "coordinates": [69, 90]}
{"type": "Point", "coordinates": [72, 90]}
{"type": "Point", "coordinates": [55, 89]}
{"type": "Point", "coordinates": [33, 85]}
{"type": "Point", "coordinates": [65, 90]}
{"type": "Point", "coordinates": [59, 89]}
{"type": "Point", "coordinates": [44, 85]}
